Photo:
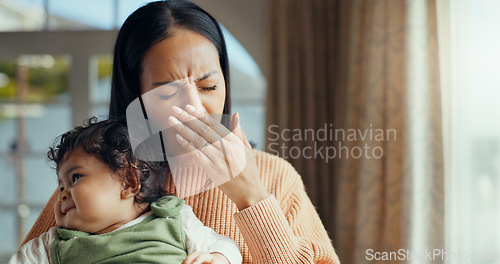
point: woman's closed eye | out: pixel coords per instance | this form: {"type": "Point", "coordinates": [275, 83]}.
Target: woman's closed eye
{"type": "Point", "coordinates": [166, 97]}
{"type": "Point", "coordinates": [211, 88]}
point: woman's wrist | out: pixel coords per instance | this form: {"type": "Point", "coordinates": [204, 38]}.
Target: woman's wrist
{"type": "Point", "coordinates": [245, 189]}
{"type": "Point", "coordinates": [248, 199]}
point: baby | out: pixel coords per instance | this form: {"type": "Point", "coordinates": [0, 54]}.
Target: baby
{"type": "Point", "coordinates": [112, 208]}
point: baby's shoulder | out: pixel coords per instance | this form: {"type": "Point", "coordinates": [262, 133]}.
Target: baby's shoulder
{"type": "Point", "coordinates": [49, 236]}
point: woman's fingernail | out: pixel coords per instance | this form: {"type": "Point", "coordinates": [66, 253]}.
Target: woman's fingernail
{"type": "Point", "coordinates": [238, 115]}
{"type": "Point", "coordinates": [179, 137]}
{"type": "Point", "coordinates": [190, 108]}
{"type": "Point", "coordinates": [177, 110]}
{"type": "Point", "coordinates": [173, 120]}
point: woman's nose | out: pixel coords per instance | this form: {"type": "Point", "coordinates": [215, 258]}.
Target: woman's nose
{"type": "Point", "coordinates": [193, 98]}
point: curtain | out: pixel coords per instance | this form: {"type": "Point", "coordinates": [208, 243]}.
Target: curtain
{"type": "Point", "coordinates": [354, 104]}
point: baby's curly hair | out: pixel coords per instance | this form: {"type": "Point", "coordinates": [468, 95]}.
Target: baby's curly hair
{"type": "Point", "coordinates": [109, 141]}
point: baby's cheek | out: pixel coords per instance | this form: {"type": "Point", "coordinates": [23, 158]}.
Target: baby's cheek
{"type": "Point", "coordinates": [57, 213]}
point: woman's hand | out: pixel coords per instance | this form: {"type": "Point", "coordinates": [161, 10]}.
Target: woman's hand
{"type": "Point", "coordinates": [205, 258]}
{"type": "Point", "coordinates": [226, 156]}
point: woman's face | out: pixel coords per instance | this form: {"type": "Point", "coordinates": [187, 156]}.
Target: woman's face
{"type": "Point", "coordinates": [182, 69]}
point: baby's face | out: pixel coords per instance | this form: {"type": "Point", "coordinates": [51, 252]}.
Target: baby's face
{"type": "Point", "coordinates": [89, 195]}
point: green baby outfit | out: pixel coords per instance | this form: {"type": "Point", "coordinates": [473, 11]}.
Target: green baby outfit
{"type": "Point", "coordinates": [157, 239]}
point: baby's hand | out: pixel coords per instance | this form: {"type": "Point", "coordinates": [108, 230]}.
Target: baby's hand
{"type": "Point", "coordinates": [205, 258]}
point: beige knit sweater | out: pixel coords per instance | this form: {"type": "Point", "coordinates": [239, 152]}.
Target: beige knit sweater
{"type": "Point", "coordinates": [283, 228]}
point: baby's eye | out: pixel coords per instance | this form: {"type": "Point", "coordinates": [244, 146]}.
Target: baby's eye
{"type": "Point", "coordinates": [61, 188]}
{"type": "Point", "coordinates": [75, 177]}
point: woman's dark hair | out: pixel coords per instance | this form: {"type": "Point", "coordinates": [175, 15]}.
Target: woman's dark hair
{"type": "Point", "coordinates": [109, 141]}
{"type": "Point", "coordinates": [149, 25]}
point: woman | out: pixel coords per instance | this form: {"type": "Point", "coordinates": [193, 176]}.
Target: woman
{"type": "Point", "coordinates": [262, 205]}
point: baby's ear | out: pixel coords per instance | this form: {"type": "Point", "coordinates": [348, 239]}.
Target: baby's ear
{"type": "Point", "coordinates": [131, 184]}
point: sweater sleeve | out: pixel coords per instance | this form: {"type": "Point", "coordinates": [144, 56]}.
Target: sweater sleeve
{"type": "Point", "coordinates": [288, 230]}
{"type": "Point", "coordinates": [202, 238]}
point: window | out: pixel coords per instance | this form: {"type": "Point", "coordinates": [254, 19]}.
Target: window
{"type": "Point", "coordinates": [34, 109]}
{"type": "Point", "coordinates": [473, 111]}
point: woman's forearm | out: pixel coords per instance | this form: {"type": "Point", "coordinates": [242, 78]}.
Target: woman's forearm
{"type": "Point", "coordinates": [271, 238]}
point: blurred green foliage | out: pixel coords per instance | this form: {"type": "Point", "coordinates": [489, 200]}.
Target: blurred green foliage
{"type": "Point", "coordinates": [104, 66]}
{"type": "Point", "coordinates": [44, 84]}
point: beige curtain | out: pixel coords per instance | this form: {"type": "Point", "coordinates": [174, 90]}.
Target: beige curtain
{"type": "Point", "coordinates": [359, 67]}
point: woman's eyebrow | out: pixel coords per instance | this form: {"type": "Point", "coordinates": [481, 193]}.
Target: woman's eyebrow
{"type": "Point", "coordinates": [205, 76]}
{"type": "Point", "coordinates": [161, 83]}
{"type": "Point", "coordinates": [174, 83]}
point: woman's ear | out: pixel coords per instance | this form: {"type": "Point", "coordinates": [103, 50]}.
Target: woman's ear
{"type": "Point", "coordinates": [131, 184]}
